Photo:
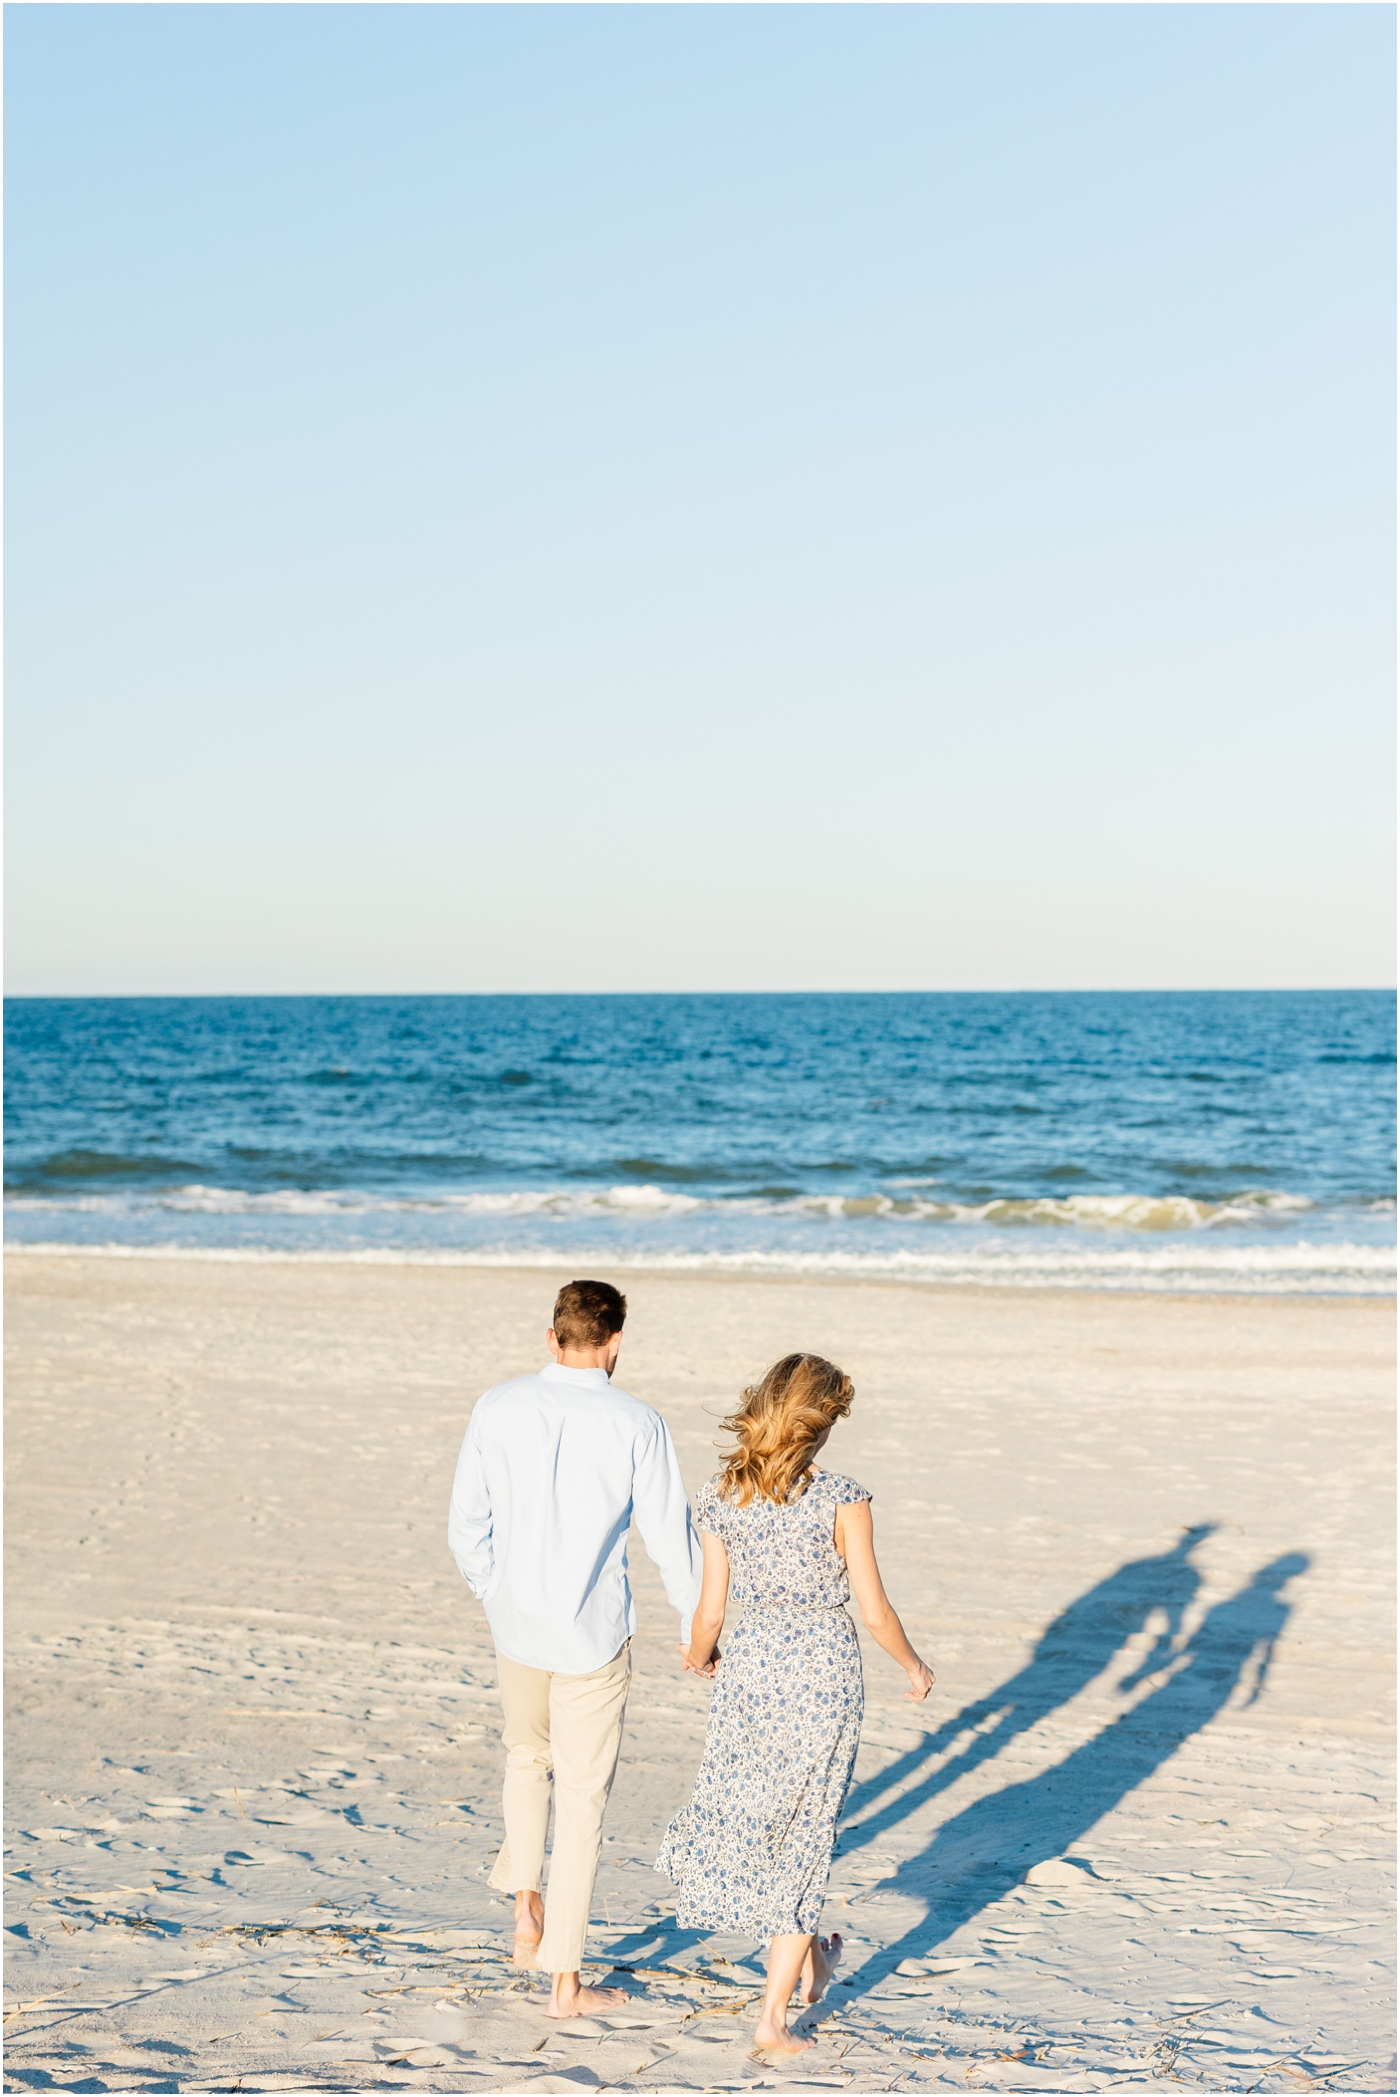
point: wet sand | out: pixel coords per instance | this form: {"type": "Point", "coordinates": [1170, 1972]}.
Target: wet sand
{"type": "Point", "coordinates": [1142, 1829]}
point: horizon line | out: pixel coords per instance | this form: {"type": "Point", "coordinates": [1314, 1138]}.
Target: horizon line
{"type": "Point", "coordinates": [1060, 990]}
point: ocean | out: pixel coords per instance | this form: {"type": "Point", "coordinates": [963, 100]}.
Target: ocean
{"type": "Point", "coordinates": [1180, 1141]}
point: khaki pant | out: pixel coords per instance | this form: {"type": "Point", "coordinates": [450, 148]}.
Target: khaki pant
{"type": "Point", "coordinates": [572, 1725]}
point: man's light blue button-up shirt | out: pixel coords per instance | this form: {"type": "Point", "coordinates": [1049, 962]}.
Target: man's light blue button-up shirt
{"type": "Point", "coordinates": [552, 1470]}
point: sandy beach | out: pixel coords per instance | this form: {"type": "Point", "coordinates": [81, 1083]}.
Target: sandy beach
{"type": "Point", "coordinates": [1142, 1831]}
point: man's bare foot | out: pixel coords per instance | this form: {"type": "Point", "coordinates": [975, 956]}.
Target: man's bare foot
{"type": "Point", "coordinates": [529, 1928]}
{"type": "Point", "coordinates": [569, 1998]}
{"type": "Point", "coordinates": [819, 1965]}
{"type": "Point", "coordinates": [772, 2037]}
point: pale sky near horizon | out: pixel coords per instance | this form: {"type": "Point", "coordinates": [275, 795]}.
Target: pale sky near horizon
{"type": "Point", "coordinates": [699, 497]}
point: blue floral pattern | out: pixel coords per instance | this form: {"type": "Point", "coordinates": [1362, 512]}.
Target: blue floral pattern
{"type": "Point", "coordinates": [751, 1853]}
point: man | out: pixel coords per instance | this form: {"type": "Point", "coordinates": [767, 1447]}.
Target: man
{"type": "Point", "coordinates": [553, 1468]}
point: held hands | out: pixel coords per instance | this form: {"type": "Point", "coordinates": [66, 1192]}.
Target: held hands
{"type": "Point", "coordinates": [920, 1683]}
{"type": "Point", "coordinates": [703, 1667]}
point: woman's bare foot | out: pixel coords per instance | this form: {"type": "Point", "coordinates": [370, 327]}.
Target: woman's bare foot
{"type": "Point", "coordinates": [772, 2037]}
{"type": "Point", "coordinates": [819, 1965]}
{"type": "Point", "coordinates": [569, 1998]}
{"type": "Point", "coordinates": [789, 1958]}
{"type": "Point", "coordinates": [529, 1928]}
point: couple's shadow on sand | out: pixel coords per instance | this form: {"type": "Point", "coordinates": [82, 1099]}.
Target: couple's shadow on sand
{"type": "Point", "coordinates": [987, 1848]}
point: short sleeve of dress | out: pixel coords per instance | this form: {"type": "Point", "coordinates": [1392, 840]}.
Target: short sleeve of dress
{"type": "Point", "coordinates": [708, 1511]}
{"type": "Point", "coordinates": [845, 1490]}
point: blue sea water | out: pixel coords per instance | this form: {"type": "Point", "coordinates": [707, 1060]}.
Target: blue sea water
{"type": "Point", "coordinates": [1171, 1141]}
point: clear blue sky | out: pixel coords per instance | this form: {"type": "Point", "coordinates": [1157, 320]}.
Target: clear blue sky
{"type": "Point", "coordinates": [698, 497]}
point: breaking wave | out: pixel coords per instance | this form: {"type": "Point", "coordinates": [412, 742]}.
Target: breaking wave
{"type": "Point", "coordinates": [1096, 1212]}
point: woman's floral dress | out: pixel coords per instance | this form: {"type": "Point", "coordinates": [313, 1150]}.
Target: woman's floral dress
{"type": "Point", "coordinates": [752, 1851]}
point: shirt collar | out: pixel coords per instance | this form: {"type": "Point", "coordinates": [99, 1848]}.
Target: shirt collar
{"type": "Point", "coordinates": [576, 1375]}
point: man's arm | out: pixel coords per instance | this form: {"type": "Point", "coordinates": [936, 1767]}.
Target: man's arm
{"type": "Point", "coordinates": [662, 1514]}
{"type": "Point", "coordinates": [469, 1516]}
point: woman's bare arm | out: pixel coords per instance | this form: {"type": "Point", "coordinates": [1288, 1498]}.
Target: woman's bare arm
{"type": "Point", "coordinates": [855, 1540]}
{"type": "Point", "coordinates": [700, 1657]}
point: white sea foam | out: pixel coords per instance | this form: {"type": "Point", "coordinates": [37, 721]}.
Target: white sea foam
{"type": "Point", "coordinates": [1131, 1212]}
{"type": "Point", "coordinates": [1292, 1269]}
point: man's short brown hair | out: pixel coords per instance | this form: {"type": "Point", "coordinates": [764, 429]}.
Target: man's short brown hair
{"type": "Point", "coordinates": [588, 1313]}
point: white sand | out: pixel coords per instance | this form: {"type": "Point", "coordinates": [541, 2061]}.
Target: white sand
{"type": "Point", "coordinates": [253, 1747]}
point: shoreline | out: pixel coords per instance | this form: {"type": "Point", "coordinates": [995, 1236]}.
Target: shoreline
{"type": "Point", "coordinates": [379, 1258]}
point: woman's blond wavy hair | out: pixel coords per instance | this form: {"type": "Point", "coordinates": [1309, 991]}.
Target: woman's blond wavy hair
{"type": "Point", "coordinates": [778, 1424]}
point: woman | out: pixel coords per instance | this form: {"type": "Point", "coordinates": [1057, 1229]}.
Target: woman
{"type": "Point", "coordinates": [786, 1541]}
